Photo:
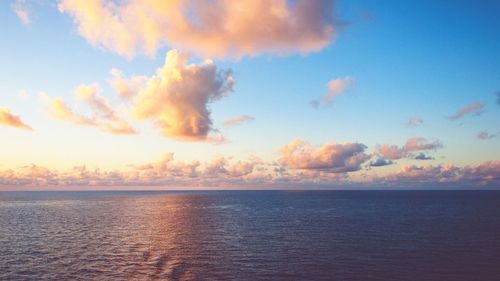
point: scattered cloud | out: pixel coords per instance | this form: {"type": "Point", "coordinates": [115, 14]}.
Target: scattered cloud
{"type": "Point", "coordinates": [420, 143]}
{"type": "Point", "coordinates": [330, 157]}
{"type": "Point", "coordinates": [474, 108]}
{"type": "Point", "coordinates": [335, 88]}
{"type": "Point", "coordinates": [218, 28]}
{"type": "Point", "coordinates": [484, 135]}
{"type": "Point", "coordinates": [414, 122]}
{"type": "Point", "coordinates": [8, 119]}
{"type": "Point", "coordinates": [103, 116]}
{"type": "Point", "coordinates": [176, 98]}
{"type": "Point", "coordinates": [238, 120]}
{"type": "Point", "coordinates": [21, 9]}
{"type": "Point", "coordinates": [415, 144]}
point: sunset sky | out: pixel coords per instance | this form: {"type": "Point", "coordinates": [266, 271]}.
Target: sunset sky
{"type": "Point", "coordinates": [249, 94]}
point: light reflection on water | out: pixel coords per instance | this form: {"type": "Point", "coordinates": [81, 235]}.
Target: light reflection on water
{"type": "Point", "coordinates": [249, 236]}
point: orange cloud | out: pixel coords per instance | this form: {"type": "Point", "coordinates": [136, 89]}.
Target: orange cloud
{"type": "Point", "coordinates": [8, 119]}
{"type": "Point", "coordinates": [176, 98]}
{"type": "Point", "coordinates": [218, 28]}
{"type": "Point", "coordinates": [104, 116]}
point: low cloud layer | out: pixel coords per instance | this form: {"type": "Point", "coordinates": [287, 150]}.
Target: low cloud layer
{"type": "Point", "coordinates": [177, 97]}
{"type": "Point", "coordinates": [237, 120]}
{"type": "Point", "coordinates": [11, 120]}
{"type": "Point", "coordinates": [331, 157]}
{"type": "Point", "coordinates": [474, 108]}
{"type": "Point", "coordinates": [335, 88]}
{"type": "Point", "coordinates": [219, 28]}
{"type": "Point", "coordinates": [103, 115]}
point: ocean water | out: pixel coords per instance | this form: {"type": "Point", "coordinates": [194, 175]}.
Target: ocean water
{"type": "Point", "coordinates": [250, 235]}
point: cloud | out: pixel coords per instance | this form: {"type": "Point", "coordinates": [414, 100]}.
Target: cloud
{"type": "Point", "coordinates": [380, 162]}
{"type": "Point", "coordinates": [420, 143]}
{"type": "Point", "coordinates": [330, 157]}
{"type": "Point", "coordinates": [218, 28]}
{"type": "Point", "coordinates": [8, 119]}
{"type": "Point", "coordinates": [20, 8]}
{"type": "Point", "coordinates": [414, 122]}
{"type": "Point", "coordinates": [126, 88]}
{"type": "Point", "coordinates": [391, 151]}
{"type": "Point", "coordinates": [498, 97]}
{"type": "Point", "coordinates": [422, 156]}
{"type": "Point", "coordinates": [484, 135]}
{"type": "Point", "coordinates": [335, 88]}
{"type": "Point", "coordinates": [414, 144]}
{"type": "Point", "coordinates": [238, 120]}
{"type": "Point", "coordinates": [176, 98]}
{"type": "Point", "coordinates": [474, 108]}
{"type": "Point", "coordinates": [103, 116]}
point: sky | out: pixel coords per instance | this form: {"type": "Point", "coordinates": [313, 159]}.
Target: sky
{"type": "Point", "coordinates": [249, 94]}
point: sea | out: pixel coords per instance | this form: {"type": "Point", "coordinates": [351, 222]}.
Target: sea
{"type": "Point", "coordinates": [250, 235]}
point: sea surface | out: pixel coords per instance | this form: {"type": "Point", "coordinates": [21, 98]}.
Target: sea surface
{"type": "Point", "coordinates": [250, 235]}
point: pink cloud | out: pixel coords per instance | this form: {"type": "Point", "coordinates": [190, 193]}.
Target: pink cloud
{"type": "Point", "coordinates": [330, 157]}
{"type": "Point", "coordinates": [474, 108]}
{"type": "Point", "coordinates": [219, 28]}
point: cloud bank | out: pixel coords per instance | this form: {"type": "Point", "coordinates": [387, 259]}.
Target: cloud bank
{"type": "Point", "coordinates": [212, 29]}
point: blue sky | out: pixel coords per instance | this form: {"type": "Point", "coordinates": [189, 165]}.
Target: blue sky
{"type": "Point", "coordinates": [424, 59]}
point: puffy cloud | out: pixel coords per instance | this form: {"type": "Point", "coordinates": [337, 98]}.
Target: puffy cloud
{"type": "Point", "coordinates": [22, 12]}
{"type": "Point", "coordinates": [484, 135]}
{"type": "Point", "coordinates": [391, 151]}
{"type": "Point", "coordinates": [218, 28]}
{"type": "Point", "coordinates": [104, 116]}
{"type": "Point", "coordinates": [176, 98]}
{"type": "Point", "coordinates": [414, 122]}
{"type": "Point", "coordinates": [414, 144]}
{"type": "Point", "coordinates": [238, 120]}
{"type": "Point", "coordinates": [474, 108]}
{"type": "Point", "coordinates": [380, 162]}
{"type": "Point", "coordinates": [126, 88]}
{"type": "Point", "coordinates": [8, 119]}
{"type": "Point", "coordinates": [335, 88]}
{"type": "Point", "coordinates": [420, 143]}
{"type": "Point", "coordinates": [330, 157]}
